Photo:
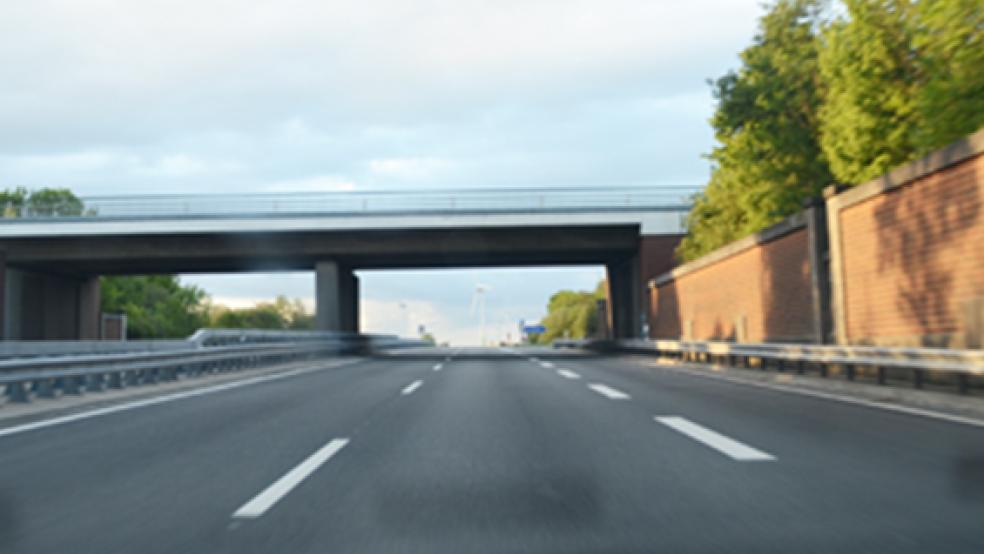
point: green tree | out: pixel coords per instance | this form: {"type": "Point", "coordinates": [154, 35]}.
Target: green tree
{"type": "Point", "coordinates": [156, 306]}
{"type": "Point", "coordinates": [12, 201]}
{"type": "Point", "coordinates": [869, 118]}
{"type": "Point", "coordinates": [571, 314]}
{"type": "Point", "coordinates": [950, 43]}
{"type": "Point", "coordinates": [282, 313]}
{"type": "Point", "coordinates": [904, 78]}
{"type": "Point", "coordinates": [54, 202]}
{"type": "Point", "coordinates": [44, 202]}
{"type": "Point", "coordinates": [768, 157]}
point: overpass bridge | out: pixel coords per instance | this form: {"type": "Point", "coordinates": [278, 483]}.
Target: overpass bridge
{"type": "Point", "coordinates": [50, 261]}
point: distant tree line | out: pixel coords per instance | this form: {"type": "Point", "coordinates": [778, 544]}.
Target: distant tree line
{"type": "Point", "coordinates": [820, 99]}
{"type": "Point", "coordinates": [46, 202]}
{"type": "Point", "coordinates": [159, 306]}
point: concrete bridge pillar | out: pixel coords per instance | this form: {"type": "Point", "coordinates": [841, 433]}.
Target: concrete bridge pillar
{"type": "Point", "coordinates": [625, 298]}
{"type": "Point", "coordinates": [42, 306]}
{"type": "Point", "coordinates": [336, 298]}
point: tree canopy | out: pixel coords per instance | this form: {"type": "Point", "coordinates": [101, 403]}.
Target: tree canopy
{"type": "Point", "coordinates": [159, 306]}
{"type": "Point", "coordinates": [768, 157]}
{"type": "Point", "coordinates": [282, 313]}
{"type": "Point", "coordinates": [43, 202]}
{"type": "Point", "coordinates": [819, 100]}
{"type": "Point", "coordinates": [156, 306]}
{"type": "Point", "coordinates": [572, 314]}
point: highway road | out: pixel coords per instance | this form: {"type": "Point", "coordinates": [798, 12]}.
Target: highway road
{"type": "Point", "coordinates": [492, 451]}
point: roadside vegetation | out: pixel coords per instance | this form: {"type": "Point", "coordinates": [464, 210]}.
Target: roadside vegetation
{"type": "Point", "coordinates": [160, 306]}
{"type": "Point", "coordinates": [571, 314]}
{"type": "Point", "coordinates": [826, 96]}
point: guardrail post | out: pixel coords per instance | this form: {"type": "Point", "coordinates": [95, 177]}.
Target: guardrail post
{"type": "Point", "coordinates": [94, 382]}
{"type": "Point", "coordinates": [115, 380]}
{"type": "Point", "coordinates": [70, 385]}
{"type": "Point", "coordinates": [43, 388]}
{"type": "Point", "coordinates": [963, 383]}
{"type": "Point", "coordinates": [17, 393]}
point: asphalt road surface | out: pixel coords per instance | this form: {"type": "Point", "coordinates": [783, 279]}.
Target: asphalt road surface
{"type": "Point", "coordinates": [493, 451]}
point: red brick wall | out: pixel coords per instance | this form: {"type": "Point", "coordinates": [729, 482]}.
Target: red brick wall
{"type": "Point", "coordinates": [767, 286]}
{"type": "Point", "coordinates": [913, 259]}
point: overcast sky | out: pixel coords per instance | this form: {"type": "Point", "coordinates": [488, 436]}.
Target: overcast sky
{"type": "Point", "coordinates": [126, 97]}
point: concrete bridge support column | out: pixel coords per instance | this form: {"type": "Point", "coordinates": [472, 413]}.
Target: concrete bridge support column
{"type": "Point", "coordinates": [41, 306]}
{"type": "Point", "coordinates": [625, 298]}
{"type": "Point", "coordinates": [336, 298]}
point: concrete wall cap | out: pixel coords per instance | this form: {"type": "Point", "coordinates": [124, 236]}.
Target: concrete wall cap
{"type": "Point", "coordinates": [790, 224]}
{"type": "Point", "coordinates": [950, 155]}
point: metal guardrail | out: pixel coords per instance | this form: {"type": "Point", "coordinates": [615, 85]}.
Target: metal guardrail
{"type": "Point", "coordinates": [962, 365]}
{"type": "Point", "coordinates": [49, 377]}
{"type": "Point", "coordinates": [12, 349]}
{"type": "Point", "coordinates": [517, 199]}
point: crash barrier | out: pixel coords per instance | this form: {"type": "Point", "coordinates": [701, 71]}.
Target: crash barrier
{"type": "Point", "coordinates": [963, 369]}
{"type": "Point", "coordinates": [54, 376]}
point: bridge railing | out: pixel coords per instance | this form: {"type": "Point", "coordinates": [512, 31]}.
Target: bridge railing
{"type": "Point", "coordinates": [652, 198]}
{"type": "Point", "coordinates": [70, 375]}
{"type": "Point", "coordinates": [962, 368]}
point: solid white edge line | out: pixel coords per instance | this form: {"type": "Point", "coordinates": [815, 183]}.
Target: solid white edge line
{"type": "Point", "coordinates": [609, 392]}
{"type": "Point", "coordinates": [568, 374]}
{"type": "Point", "coordinates": [412, 387]}
{"type": "Point", "coordinates": [725, 445]}
{"type": "Point", "coordinates": [156, 400]}
{"type": "Point", "coordinates": [951, 418]}
{"type": "Point", "coordinates": [279, 488]}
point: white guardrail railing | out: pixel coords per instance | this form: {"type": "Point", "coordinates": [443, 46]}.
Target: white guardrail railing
{"type": "Point", "coordinates": [213, 351]}
{"type": "Point", "coordinates": [962, 367]}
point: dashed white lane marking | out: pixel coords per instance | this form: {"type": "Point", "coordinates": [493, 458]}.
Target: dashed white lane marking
{"type": "Point", "coordinates": [568, 374]}
{"type": "Point", "coordinates": [272, 494]}
{"type": "Point", "coordinates": [547, 365]}
{"type": "Point", "coordinates": [717, 441]}
{"type": "Point", "coordinates": [534, 359]}
{"type": "Point", "coordinates": [438, 367]}
{"type": "Point", "coordinates": [412, 387]}
{"type": "Point", "coordinates": [23, 428]}
{"type": "Point", "coordinates": [609, 392]}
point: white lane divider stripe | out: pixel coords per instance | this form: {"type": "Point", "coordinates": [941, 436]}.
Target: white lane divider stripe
{"type": "Point", "coordinates": [438, 367]}
{"type": "Point", "coordinates": [609, 392]}
{"type": "Point", "coordinates": [717, 441]}
{"type": "Point", "coordinates": [534, 360]}
{"type": "Point", "coordinates": [568, 374]}
{"type": "Point", "coordinates": [547, 365]}
{"type": "Point", "coordinates": [412, 387]}
{"type": "Point", "coordinates": [272, 494]}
